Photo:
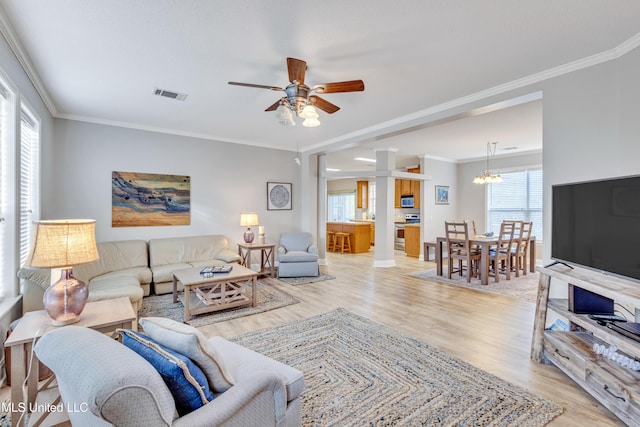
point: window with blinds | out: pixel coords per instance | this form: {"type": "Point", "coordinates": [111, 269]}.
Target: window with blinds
{"type": "Point", "coordinates": [517, 197]}
{"type": "Point", "coordinates": [5, 167]}
{"type": "Point", "coordinates": [29, 178]}
{"type": "Point", "coordinates": [341, 206]}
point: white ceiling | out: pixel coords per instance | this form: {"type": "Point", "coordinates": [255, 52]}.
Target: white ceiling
{"type": "Point", "coordinates": [101, 60]}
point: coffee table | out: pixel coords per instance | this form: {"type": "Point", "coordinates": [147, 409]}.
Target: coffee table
{"type": "Point", "coordinates": [205, 293]}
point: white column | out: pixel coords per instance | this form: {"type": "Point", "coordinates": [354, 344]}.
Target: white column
{"type": "Point", "coordinates": [322, 209]}
{"type": "Point", "coordinates": [424, 211]}
{"type": "Point", "coordinates": [385, 196]}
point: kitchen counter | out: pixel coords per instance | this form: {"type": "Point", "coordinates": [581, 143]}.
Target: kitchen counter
{"type": "Point", "coordinates": [359, 231]}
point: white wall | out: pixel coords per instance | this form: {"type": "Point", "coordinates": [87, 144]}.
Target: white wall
{"type": "Point", "coordinates": [472, 200]}
{"type": "Point", "coordinates": [226, 179]}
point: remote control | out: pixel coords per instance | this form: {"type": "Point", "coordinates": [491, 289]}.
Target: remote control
{"type": "Point", "coordinates": [607, 317]}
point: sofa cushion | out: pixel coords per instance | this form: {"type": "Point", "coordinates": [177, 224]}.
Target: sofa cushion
{"type": "Point", "coordinates": [243, 362]}
{"type": "Point", "coordinates": [102, 288]}
{"type": "Point", "coordinates": [164, 273]}
{"type": "Point", "coordinates": [185, 249]}
{"type": "Point", "coordinates": [189, 341]}
{"type": "Point", "coordinates": [113, 256]}
{"type": "Point", "coordinates": [142, 274]}
{"type": "Point", "coordinates": [297, 256]}
{"type": "Point", "coordinates": [185, 380]}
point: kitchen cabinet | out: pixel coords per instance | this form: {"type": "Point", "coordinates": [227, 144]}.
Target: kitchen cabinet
{"type": "Point", "coordinates": [412, 240]}
{"type": "Point", "coordinates": [407, 187]}
{"type": "Point", "coordinates": [415, 190]}
{"type": "Point", "coordinates": [362, 194]}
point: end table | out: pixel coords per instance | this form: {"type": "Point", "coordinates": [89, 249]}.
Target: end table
{"type": "Point", "coordinates": [267, 257]}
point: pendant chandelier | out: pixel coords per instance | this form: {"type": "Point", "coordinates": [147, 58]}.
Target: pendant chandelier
{"type": "Point", "coordinates": [487, 177]}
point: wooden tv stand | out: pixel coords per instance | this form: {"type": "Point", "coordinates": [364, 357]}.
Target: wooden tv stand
{"type": "Point", "coordinates": [615, 386]}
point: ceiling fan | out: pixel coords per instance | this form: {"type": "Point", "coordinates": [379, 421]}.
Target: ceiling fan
{"type": "Point", "coordinates": [299, 98]}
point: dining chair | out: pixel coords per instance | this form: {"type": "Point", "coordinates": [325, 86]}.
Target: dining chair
{"type": "Point", "coordinates": [457, 234]}
{"type": "Point", "coordinates": [521, 248]}
{"type": "Point", "coordinates": [500, 253]}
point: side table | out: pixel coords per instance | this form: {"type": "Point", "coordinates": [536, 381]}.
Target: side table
{"type": "Point", "coordinates": [103, 316]}
{"type": "Point", "coordinates": [267, 257]}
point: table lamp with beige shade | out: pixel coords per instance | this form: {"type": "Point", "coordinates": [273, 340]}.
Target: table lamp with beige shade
{"type": "Point", "coordinates": [63, 244]}
{"type": "Point", "coordinates": [249, 219]}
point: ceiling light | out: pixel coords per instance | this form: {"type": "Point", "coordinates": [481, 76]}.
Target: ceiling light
{"type": "Point", "coordinates": [487, 177]}
{"type": "Point", "coordinates": [308, 112]}
{"type": "Point", "coordinates": [301, 108]}
{"type": "Point", "coordinates": [284, 116]}
{"type": "Point", "coordinates": [311, 123]}
{"type": "Point", "coordinates": [332, 170]}
{"type": "Point", "coordinates": [364, 159]}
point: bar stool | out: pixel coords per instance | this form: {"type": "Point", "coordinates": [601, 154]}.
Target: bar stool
{"type": "Point", "coordinates": [343, 241]}
{"type": "Point", "coordinates": [331, 241]}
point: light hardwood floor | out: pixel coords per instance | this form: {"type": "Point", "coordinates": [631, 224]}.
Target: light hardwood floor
{"type": "Point", "coordinates": [489, 331]}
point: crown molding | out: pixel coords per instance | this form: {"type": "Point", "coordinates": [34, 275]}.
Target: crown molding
{"type": "Point", "coordinates": [13, 41]}
{"type": "Point", "coordinates": [580, 64]}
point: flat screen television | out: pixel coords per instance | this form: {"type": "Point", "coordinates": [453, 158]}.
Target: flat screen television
{"type": "Point", "coordinates": [596, 224]}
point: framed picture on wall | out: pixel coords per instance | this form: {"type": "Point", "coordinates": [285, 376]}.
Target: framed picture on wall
{"type": "Point", "coordinates": [278, 196]}
{"type": "Point", "coordinates": [442, 194]}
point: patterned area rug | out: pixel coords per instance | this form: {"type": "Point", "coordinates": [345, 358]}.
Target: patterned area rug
{"type": "Point", "coordinates": [358, 373]}
{"type": "Point", "coordinates": [523, 288]}
{"type": "Point", "coordinates": [304, 280]}
{"type": "Point", "coordinates": [269, 298]}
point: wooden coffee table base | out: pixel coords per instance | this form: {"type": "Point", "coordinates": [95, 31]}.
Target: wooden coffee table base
{"type": "Point", "coordinates": [209, 293]}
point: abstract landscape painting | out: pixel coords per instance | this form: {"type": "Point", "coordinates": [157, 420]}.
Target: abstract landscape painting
{"type": "Point", "coordinates": [147, 199]}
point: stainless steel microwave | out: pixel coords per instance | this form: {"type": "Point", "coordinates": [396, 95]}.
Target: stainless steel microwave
{"type": "Point", "coordinates": [406, 201]}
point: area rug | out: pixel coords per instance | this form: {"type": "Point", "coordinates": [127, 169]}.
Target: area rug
{"type": "Point", "coordinates": [269, 298]}
{"type": "Point", "coordinates": [358, 372]}
{"type": "Point", "coordinates": [523, 288]}
{"type": "Point", "coordinates": [304, 280]}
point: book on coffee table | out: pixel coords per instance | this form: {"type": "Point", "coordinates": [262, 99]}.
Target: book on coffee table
{"type": "Point", "coordinates": [216, 269]}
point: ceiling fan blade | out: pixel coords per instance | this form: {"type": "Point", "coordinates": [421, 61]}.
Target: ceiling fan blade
{"type": "Point", "coordinates": [297, 68]}
{"type": "Point", "coordinates": [323, 104]}
{"type": "Point", "coordinates": [350, 86]}
{"type": "Point", "coordinates": [274, 106]}
{"type": "Point", "coordinates": [256, 86]}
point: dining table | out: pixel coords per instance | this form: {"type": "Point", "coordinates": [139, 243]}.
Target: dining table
{"type": "Point", "coordinates": [484, 243]}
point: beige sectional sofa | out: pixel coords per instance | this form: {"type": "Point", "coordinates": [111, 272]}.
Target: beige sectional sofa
{"type": "Point", "coordinates": [129, 267]}
{"type": "Point", "coordinates": [167, 255]}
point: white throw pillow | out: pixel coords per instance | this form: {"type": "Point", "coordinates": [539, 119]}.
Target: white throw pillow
{"type": "Point", "coordinates": [189, 341]}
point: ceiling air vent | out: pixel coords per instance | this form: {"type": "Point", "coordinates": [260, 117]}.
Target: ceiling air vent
{"type": "Point", "coordinates": [170, 94]}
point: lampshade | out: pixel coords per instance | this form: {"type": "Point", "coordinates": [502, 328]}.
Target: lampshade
{"type": "Point", "coordinates": [63, 244]}
{"type": "Point", "coordinates": [249, 219]}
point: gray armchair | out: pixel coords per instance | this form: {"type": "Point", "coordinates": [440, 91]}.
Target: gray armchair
{"type": "Point", "coordinates": [113, 385]}
{"type": "Point", "coordinates": [297, 257]}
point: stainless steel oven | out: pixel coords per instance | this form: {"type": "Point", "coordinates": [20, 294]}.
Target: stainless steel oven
{"type": "Point", "coordinates": [398, 230]}
{"type": "Point", "coordinates": [398, 236]}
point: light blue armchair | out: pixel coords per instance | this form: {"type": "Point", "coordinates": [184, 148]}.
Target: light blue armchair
{"type": "Point", "coordinates": [297, 257]}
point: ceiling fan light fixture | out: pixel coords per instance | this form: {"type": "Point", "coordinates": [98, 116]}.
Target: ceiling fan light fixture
{"type": "Point", "coordinates": [311, 123]}
{"type": "Point", "coordinates": [284, 116]}
{"type": "Point", "coordinates": [309, 112]}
